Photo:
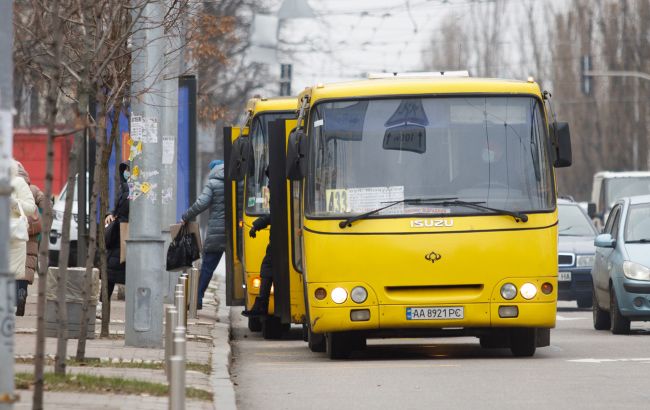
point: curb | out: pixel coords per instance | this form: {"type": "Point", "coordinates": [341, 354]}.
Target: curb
{"type": "Point", "coordinates": [222, 386]}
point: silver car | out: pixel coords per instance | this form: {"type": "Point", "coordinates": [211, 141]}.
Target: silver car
{"type": "Point", "coordinates": [621, 271]}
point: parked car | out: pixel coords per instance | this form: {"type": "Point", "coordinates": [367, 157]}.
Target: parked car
{"type": "Point", "coordinates": [622, 266]}
{"type": "Point", "coordinates": [57, 226]}
{"type": "Point", "coordinates": [575, 253]}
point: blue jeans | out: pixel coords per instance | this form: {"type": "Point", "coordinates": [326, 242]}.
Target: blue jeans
{"type": "Point", "coordinates": [208, 265]}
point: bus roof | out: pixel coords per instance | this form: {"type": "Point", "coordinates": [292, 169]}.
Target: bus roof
{"type": "Point", "coordinates": [257, 104]}
{"type": "Point", "coordinates": [420, 86]}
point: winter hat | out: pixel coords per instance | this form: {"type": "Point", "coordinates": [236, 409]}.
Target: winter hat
{"type": "Point", "coordinates": [215, 162]}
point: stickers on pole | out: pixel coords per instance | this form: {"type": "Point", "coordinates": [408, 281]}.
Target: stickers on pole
{"type": "Point", "coordinates": [144, 129]}
{"type": "Point", "coordinates": [168, 149]}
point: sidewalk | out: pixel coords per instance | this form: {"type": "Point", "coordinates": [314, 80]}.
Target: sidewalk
{"type": "Point", "coordinates": [208, 347]}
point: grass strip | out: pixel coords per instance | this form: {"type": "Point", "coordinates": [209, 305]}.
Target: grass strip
{"type": "Point", "coordinates": [95, 362]}
{"type": "Point", "coordinates": [102, 385]}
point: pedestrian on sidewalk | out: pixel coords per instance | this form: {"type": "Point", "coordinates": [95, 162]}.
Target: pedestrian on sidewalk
{"type": "Point", "coordinates": [35, 229]}
{"type": "Point", "coordinates": [119, 214]}
{"type": "Point", "coordinates": [21, 203]}
{"type": "Point", "coordinates": [212, 197]}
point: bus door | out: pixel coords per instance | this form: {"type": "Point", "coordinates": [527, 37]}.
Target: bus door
{"type": "Point", "coordinates": [237, 157]}
{"type": "Point", "coordinates": [279, 222]}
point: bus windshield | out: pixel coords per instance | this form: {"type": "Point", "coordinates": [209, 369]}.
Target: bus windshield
{"type": "Point", "coordinates": [489, 150]}
{"type": "Point", "coordinates": [257, 194]}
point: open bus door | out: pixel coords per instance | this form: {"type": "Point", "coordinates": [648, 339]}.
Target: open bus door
{"type": "Point", "coordinates": [237, 157]}
{"type": "Point", "coordinates": [279, 226]}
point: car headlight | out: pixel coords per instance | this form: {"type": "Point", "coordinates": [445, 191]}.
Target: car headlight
{"type": "Point", "coordinates": [58, 215]}
{"type": "Point", "coordinates": [339, 295]}
{"type": "Point", "coordinates": [359, 294]}
{"type": "Point", "coordinates": [583, 261]}
{"type": "Point", "coordinates": [636, 271]}
{"type": "Point", "coordinates": [508, 291]}
{"type": "Point", "coordinates": [528, 291]}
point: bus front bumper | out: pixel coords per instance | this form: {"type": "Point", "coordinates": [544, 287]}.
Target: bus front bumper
{"type": "Point", "coordinates": [392, 317]}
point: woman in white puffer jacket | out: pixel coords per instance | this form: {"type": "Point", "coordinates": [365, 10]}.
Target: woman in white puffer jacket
{"type": "Point", "coordinates": [22, 195]}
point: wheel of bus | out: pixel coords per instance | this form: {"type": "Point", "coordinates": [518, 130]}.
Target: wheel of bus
{"type": "Point", "coordinates": [602, 320]}
{"type": "Point", "coordinates": [305, 332]}
{"type": "Point", "coordinates": [254, 324]}
{"type": "Point", "coordinates": [316, 341]}
{"type": "Point", "coordinates": [338, 345]}
{"type": "Point", "coordinates": [272, 328]}
{"type": "Point", "coordinates": [620, 324]}
{"type": "Point", "coordinates": [584, 302]}
{"type": "Point", "coordinates": [522, 342]}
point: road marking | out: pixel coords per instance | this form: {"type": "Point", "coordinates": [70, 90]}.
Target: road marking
{"type": "Point", "coordinates": [558, 317]}
{"type": "Point", "coordinates": [599, 361]}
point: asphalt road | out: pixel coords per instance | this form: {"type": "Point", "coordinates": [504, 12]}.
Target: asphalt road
{"type": "Point", "coordinates": [582, 369]}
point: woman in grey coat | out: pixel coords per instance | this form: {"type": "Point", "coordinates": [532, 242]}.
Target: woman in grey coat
{"type": "Point", "coordinates": [214, 245]}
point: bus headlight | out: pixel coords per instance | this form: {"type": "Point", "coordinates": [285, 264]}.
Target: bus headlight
{"type": "Point", "coordinates": [636, 271]}
{"type": "Point", "coordinates": [528, 291]}
{"type": "Point", "coordinates": [508, 291]}
{"type": "Point", "coordinates": [339, 295]}
{"type": "Point", "coordinates": [359, 294]}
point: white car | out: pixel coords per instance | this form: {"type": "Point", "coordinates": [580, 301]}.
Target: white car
{"type": "Point", "coordinates": [57, 228]}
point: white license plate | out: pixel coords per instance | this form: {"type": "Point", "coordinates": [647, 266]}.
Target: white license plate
{"type": "Point", "coordinates": [435, 313]}
{"type": "Point", "coordinates": [564, 276]}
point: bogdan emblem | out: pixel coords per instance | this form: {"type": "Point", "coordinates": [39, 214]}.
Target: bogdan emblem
{"type": "Point", "coordinates": [433, 257]}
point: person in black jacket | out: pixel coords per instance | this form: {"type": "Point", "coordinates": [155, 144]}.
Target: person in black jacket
{"type": "Point", "coordinates": [261, 304]}
{"type": "Point", "coordinates": [119, 214]}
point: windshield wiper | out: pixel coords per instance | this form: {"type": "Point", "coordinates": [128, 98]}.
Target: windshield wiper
{"type": "Point", "coordinates": [519, 216]}
{"type": "Point", "coordinates": [348, 222]}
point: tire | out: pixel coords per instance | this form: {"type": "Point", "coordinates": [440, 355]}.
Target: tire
{"type": "Point", "coordinates": [305, 333]}
{"type": "Point", "coordinates": [523, 342]}
{"type": "Point", "coordinates": [620, 324]}
{"type": "Point", "coordinates": [272, 328]}
{"type": "Point", "coordinates": [585, 302]}
{"type": "Point", "coordinates": [338, 346]}
{"type": "Point", "coordinates": [254, 324]}
{"type": "Point", "coordinates": [602, 320]}
{"type": "Point", "coordinates": [316, 342]}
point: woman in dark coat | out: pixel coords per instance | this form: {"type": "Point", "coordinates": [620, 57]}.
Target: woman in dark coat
{"type": "Point", "coordinates": [120, 214]}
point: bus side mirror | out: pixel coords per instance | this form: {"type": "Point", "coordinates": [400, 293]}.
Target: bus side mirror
{"type": "Point", "coordinates": [563, 156]}
{"type": "Point", "coordinates": [297, 155]}
{"type": "Point", "coordinates": [591, 210]}
{"type": "Point", "coordinates": [240, 159]}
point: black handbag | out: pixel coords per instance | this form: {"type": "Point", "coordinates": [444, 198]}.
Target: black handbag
{"type": "Point", "coordinates": [183, 250]}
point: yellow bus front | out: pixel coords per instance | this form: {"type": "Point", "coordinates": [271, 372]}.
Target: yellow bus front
{"type": "Point", "coordinates": [429, 209]}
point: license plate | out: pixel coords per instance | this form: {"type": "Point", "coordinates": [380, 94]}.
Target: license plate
{"type": "Point", "coordinates": [564, 276]}
{"type": "Point", "coordinates": [435, 313]}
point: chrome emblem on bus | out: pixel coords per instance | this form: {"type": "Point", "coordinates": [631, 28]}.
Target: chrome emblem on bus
{"type": "Point", "coordinates": [431, 223]}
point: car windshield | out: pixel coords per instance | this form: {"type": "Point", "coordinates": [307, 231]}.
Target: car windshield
{"type": "Point", "coordinates": [488, 150]}
{"type": "Point", "coordinates": [257, 193]}
{"type": "Point", "coordinates": [574, 222]}
{"type": "Point", "coordinates": [637, 227]}
{"type": "Point", "coordinates": [629, 186]}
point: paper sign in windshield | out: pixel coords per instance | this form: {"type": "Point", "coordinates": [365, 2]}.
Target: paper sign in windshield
{"type": "Point", "coordinates": [359, 200]}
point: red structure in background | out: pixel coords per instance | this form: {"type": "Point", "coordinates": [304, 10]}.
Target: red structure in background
{"type": "Point", "coordinates": [30, 148]}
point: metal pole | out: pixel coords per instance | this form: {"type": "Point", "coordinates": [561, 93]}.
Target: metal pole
{"type": "Point", "coordinates": [170, 144]}
{"type": "Point", "coordinates": [180, 304]}
{"type": "Point", "coordinates": [193, 291]}
{"type": "Point", "coordinates": [145, 255]}
{"type": "Point", "coordinates": [171, 322]}
{"type": "Point", "coordinates": [177, 370]}
{"type": "Point", "coordinates": [7, 283]}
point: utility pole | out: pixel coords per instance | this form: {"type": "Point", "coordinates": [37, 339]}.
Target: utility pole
{"type": "Point", "coordinates": [145, 256]}
{"type": "Point", "coordinates": [170, 147]}
{"type": "Point", "coordinates": [7, 282]}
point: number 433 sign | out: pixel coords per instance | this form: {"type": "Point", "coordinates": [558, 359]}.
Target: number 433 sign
{"type": "Point", "coordinates": [337, 200]}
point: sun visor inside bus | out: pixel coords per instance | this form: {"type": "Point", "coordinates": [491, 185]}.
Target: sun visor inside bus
{"type": "Point", "coordinates": [344, 123]}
